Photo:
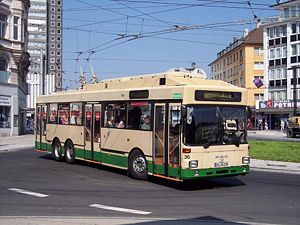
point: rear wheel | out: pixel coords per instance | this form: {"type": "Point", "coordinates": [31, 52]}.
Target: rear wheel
{"type": "Point", "coordinates": [56, 151]}
{"type": "Point", "coordinates": [70, 152]}
{"type": "Point", "coordinates": [137, 166]}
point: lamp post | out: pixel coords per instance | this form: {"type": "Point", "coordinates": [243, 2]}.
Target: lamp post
{"type": "Point", "coordinates": [294, 69]}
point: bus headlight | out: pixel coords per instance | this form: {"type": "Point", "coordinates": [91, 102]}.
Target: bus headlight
{"type": "Point", "coordinates": [193, 164]}
{"type": "Point", "coordinates": [246, 160]}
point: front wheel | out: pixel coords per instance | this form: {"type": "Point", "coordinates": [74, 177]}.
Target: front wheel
{"type": "Point", "coordinates": [56, 151]}
{"type": "Point", "coordinates": [137, 166]}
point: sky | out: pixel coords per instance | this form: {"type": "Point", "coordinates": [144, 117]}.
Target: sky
{"type": "Point", "coordinates": [120, 38]}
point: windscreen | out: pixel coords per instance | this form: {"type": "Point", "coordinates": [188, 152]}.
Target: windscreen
{"type": "Point", "coordinates": [207, 125]}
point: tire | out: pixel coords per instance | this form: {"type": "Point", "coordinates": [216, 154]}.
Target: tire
{"type": "Point", "coordinates": [56, 151]}
{"type": "Point", "coordinates": [137, 166]}
{"type": "Point", "coordinates": [70, 152]}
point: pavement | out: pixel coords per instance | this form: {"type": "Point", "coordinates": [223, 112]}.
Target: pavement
{"type": "Point", "coordinates": [9, 144]}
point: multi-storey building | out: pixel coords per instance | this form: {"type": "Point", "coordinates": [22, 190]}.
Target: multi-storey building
{"type": "Point", "coordinates": [282, 45]}
{"type": "Point", "coordinates": [242, 64]}
{"type": "Point", "coordinates": [54, 40]}
{"type": "Point", "coordinates": [14, 63]}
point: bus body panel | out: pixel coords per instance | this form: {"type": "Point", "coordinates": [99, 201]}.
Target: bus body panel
{"type": "Point", "coordinates": [125, 140]}
{"type": "Point", "coordinates": [64, 132]}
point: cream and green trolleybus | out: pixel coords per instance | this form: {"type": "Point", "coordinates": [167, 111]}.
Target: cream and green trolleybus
{"type": "Point", "coordinates": [173, 125]}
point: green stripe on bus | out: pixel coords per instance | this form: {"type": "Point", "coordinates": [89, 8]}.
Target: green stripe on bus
{"type": "Point", "coordinates": [213, 172]}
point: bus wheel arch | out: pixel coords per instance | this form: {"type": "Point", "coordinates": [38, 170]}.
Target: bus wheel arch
{"type": "Point", "coordinates": [137, 164]}
{"type": "Point", "coordinates": [69, 151]}
{"type": "Point", "coordinates": [56, 149]}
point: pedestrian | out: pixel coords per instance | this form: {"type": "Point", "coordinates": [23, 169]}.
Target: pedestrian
{"type": "Point", "coordinates": [266, 125]}
{"type": "Point", "coordinates": [282, 125]}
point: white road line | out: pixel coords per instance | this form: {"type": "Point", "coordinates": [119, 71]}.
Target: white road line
{"type": "Point", "coordinates": [120, 209]}
{"type": "Point", "coordinates": [28, 192]}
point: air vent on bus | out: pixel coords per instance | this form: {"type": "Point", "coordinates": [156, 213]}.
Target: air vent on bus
{"type": "Point", "coordinates": [162, 81]}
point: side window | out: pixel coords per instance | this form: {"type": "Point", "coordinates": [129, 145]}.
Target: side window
{"type": "Point", "coordinates": [53, 114]}
{"type": "Point", "coordinates": [139, 115]}
{"type": "Point", "coordinates": [38, 119]}
{"type": "Point", "coordinates": [63, 113]}
{"type": "Point", "coordinates": [115, 115]}
{"type": "Point", "coordinates": [76, 113]}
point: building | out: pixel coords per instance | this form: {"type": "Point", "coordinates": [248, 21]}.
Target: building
{"type": "Point", "coordinates": [282, 44]}
{"type": "Point", "coordinates": [14, 63]}
{"type": "Point", "coordinates": [242, 64]}
{"type": "Point", "coordinates": [54, 40]}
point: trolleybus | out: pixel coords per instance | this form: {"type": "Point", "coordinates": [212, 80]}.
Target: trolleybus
{"type": "Point", "coordinates": [173, 125]}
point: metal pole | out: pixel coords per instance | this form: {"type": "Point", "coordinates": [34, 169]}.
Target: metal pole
{"type": "Point", "coordinates": [294, 69]}
{"type": "Point", "coordinates": [43, 74]}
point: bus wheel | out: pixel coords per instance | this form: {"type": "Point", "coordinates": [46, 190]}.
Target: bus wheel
{"type": "Point", "coordinates": [70, 152]}
{"type": "Point", "coordinates": [56, 151]}
{"type": "Point", "coordinates": [137, 166]}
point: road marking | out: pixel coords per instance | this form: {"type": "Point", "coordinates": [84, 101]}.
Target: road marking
{"type": "Point", "coordinates": [28, 192]}
{"type": "Point", "coordinates": [120, 209]}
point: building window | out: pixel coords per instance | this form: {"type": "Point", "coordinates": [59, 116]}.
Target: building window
{"type": "Point", "coordinates": [271, 33]}
{"type": "Point", "coordinates": [16, 27]}
{"type": "Point", "coordinates": [286, 12]}
{"type": "Point", "coordinates": [58, 2]}
{"type": "Point", "coordinates": [58, 24]}
{"type": "Point", "coordinates": [58, 38]}
{"type": "Point", "coordinates": [58, 46]}
{"type": "Point", "coordinates": [277, 31]}
{"type": "Point", "coordinates": [52, 53]}
{"type": "Point", "coordinates": [5, 118]}
{"type": "Point", "coordinates": [284, 52]}
{"type": "Point", "coordinates": [272, 53]}
{"type": "Point", "coordinates": [52, 38]}
{"type": "Point", "coordinates": [53, 2]}
{"type": "Point", "coordinates": [52, 9]}
{"type": "Point", "coordinates": [2, 25]}
{"type": "Point", "coordinates": [58, 10]}
{"type": "Point", "coordinates": [52, 45]}
{"type": "Point", "coordinates": [293, 11]}
{"type": "Point", "coordinates": [284, 31]}
{"type": "Point", "coordinates": [278, 53]}
{"type": "Point", "coordinates": [52, 60]}
{"type": "Point", "coordinates": [272, 74]}
{"type": "Point", "coordinates": [52, 24]}
{"type": "Point", "coordinates": [294, 49]}
{"type": "Point", "coordinates": [58, 53]}
{"type": "Point", "coordinates": [52, 16]}
{"type": "Point", "coordinates": [294, 28]}
{"type": "Point", "coordinates": [52, 31]}
{"type": "Point", "coordinates": [52, 67]}
{"type": "Point", "coordinates": [58, 17]}
{"type": "Point", "coordinates": [258, 51]}
{"type": "Point", "coordinates": [58, 31]}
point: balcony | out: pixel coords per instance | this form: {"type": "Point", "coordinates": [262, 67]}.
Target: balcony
{"type": "Point", "coordinates": [4, 76]}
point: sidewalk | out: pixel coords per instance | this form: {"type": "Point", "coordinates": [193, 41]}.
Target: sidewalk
{"type": "Point", "coordinates": [16, 143]}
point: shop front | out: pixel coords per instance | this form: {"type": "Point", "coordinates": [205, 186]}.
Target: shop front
{"type": "Point", "coordinates": [273, 115]}
{"type": "Point", "coordinates": [5, 115]}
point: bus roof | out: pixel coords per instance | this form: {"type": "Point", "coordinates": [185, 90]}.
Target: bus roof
{"type": "Point", "coordinates": [168, 80]}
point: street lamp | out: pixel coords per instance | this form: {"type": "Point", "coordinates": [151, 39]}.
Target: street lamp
{"type": "Point", "coordinates": [294, 68]}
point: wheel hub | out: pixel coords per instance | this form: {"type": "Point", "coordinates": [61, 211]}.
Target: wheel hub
{"type": "Point", "coordinates": [139, 164]}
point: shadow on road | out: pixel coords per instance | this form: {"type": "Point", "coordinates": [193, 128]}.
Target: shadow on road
{"type": "Point", "coordinates": [207, 220]}
{"type": "Point", "coordinates": [192, 185]}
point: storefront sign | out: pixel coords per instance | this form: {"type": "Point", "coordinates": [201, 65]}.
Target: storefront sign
{"type": "Point", "coordinates": [5, 100]}
{"type": "Point", "coordinates": [277, 104]}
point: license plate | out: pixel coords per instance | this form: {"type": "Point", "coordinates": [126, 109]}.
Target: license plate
{"type": "Point", "coordinates": [221, 164]}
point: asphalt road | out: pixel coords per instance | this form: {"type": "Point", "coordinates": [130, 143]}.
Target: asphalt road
{"type": "Point", "coordinates": [260, 197]}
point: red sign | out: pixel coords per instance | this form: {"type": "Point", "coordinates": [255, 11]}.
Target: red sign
{"type": "Point", "coordinates": [270, 103]}
{"type": "Point", "coordinates": [88, 115]}
{"type": "Point", "coordinates": [139, 103]}
{"type": "Point", "coordinates": [97, 116]}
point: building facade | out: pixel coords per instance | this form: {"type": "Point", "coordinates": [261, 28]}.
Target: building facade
{"type": "Point", "coordinates": [14, 63]}
{"type": "Point", "coordinates": [282, 45]}
{"type": "Point", "coordinates": [242, 64]}
{"type": "Point", "coordinates": [54, 40]}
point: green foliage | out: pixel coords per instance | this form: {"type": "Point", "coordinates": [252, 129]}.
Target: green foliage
{"type": "Point", "coordinates": [275, 150]}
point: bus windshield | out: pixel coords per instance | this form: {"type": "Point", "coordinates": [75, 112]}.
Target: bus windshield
{"type": "Point", "coordinates": [215, 125]}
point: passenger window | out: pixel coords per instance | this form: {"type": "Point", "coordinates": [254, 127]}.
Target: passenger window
{"type": "Point", "coordinates": [53, 114]}
{"type": "Point", "coordinates": [115, 115]}
{"type": "Point", "coordinates": [63, 113]}
{"type": "Point", "coordinates": [76, 113]}
{"type": "Point", "coordinates": [139, 115]}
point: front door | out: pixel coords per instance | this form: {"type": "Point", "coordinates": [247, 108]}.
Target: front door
{"type": "Point", "coordinates": [92, 126]}
{"type": "Point", "coordinates": [159, 139]}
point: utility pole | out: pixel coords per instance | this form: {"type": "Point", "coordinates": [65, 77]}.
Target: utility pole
{"type": "Point", "coordinates": [294, 69]}
{"type": "Point", "coordinates": [43, 74]}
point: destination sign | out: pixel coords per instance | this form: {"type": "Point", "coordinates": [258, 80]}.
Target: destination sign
{"type": "Point", "coordinates": [221, 96]}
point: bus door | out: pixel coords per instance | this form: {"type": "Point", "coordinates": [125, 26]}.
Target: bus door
{"type": "Point", "coordinates": [41, 116]}
{"type": "Point", "coordinates": [159, 141]}
{"type": "Point", "coordinates": [174, 139]}
{"type": "Point", "coordinates": [92, 131]}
